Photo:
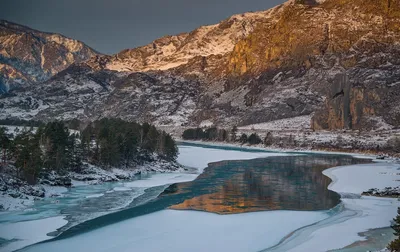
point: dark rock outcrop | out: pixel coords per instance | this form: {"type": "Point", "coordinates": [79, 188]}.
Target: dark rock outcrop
{"type": "Point", "coordinates": [391, 192]}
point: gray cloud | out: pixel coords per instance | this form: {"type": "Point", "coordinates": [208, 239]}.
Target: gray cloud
{"type": "Point", "coordinates": [110, 26]}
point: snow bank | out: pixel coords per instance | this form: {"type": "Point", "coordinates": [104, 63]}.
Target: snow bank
{"type": "Point", "coordinates": [28, 232]}
{"type": "Point", "coordinates": [342, 230]}
{"type": "Point", "coordinates": [359, 214]}
{"type": "Point", "coordinates": [272, 151]}
{"type": "Point", "coordinates": [51, 191]}
{"type": "Point", "coordinates": [161, 179]}
{"type": "Point", "coordinates": [359, 178]}
{"type": "Point", "coordinates": [200, 157]}
{"type": "Point", "coordinates": [12, 204]}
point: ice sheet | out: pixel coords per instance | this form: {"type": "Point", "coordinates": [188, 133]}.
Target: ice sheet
{"type": "Point", "coordinates": [29, 232]}
{"type": "Point", "coordinates": [359, 214]}
{"type": "Point", "coordinates": [199, 157]}
{"type": "Point", "coordinates": [171, 230]}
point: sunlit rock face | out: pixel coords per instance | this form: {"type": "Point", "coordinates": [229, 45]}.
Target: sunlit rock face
{"type": "Point", "coordinates": [338, 61]}
{"type": "Point", "coordinates": [28, 56]}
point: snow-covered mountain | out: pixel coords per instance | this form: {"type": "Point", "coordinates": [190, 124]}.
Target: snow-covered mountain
{"type": "Point", "coordinates": [337, 61]}
{"type": "Point", "coordinates": [29, 56]}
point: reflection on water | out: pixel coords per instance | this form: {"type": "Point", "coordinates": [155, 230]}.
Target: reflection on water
{"type": "Point", "coordinates": [274, 183]}
{"type": "Point", "coordinates": [285, 183]}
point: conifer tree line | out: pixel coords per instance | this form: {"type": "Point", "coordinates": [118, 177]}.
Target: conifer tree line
{"type": "Point", "coordinates": [106, 143]}
{"type": "Point", "coordinates": [221, 135]}
{"type": "Point", "coordinates": [394, 246]}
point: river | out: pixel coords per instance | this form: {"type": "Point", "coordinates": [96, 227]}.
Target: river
{"type": "Point", "coordinates": [234, 200]}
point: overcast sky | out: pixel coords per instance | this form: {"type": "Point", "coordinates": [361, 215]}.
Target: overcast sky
{"type": "Point", "coordinates": [110, 26]}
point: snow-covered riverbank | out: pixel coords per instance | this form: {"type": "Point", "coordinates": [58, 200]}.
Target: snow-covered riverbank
{"type": "Point", "coordinates": [261, 147]}
{"type": "Point", "coordinates": [16, 194]}
{"type": "Point", "coordinates": [296, 133]}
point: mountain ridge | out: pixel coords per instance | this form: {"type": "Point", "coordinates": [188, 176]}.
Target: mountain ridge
{"type": "Point", "coordinates": [335, 60]}
{"type": "Point", "coordinates": [29, 56]}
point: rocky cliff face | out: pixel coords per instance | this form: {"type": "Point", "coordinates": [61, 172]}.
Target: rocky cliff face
{"type": "Point", "coordinates": [28, 56]}
{"type": "Point", "coordinates": [173, 51]}
{"type": "Point", "coordinates": [337, 60]}
{"type": "Point", "coordinates": [354, 44]}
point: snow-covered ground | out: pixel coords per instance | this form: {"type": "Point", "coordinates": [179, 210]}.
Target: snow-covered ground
{"type": "Point", "coordinates": [304, 123]}
{"type": "Point", "coordinates": [9, 203]}
{"type": "Point", "coordinates": [296, 133]}
{"type": "Point", "coordinates": [376, 175]}
{"type": "Point", "coordinates": [15, 130]}
{"type": "Point", "coordinates": [294, 123]}
{"type": "Point", "coordinates": [341, 230]}
{"type": "Point", "coordinates": [359, 213]}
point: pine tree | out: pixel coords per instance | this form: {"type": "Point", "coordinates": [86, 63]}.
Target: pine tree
{"type": "Point", "coordinates": [394, 246]}
{"type": "Point", "coordinates": [243, 139]}
{"type": "Point", "coordinates": [35, 162]}
{"type": "Point", "coordinates": [233, 133]}
{"type": "Point", "coordinates": [131, 141]}
{"type": "Point", "coordinates": [74, 153]}
{"type": "Point", "coordinates": [113, 142]}
{"type": "Point", "coordinates": [56, 140]}
{"type": "Point", "coordinates": [171, 150]}
{"type": "Point", "coordinates": [5, 144]}
{"type": "Point", "coordinates": [161, 144]}
{"type": "Point", "coordinates": [150, 142]}
{"type": "Point", "coordinates": [269, 139]}
{"type": "Point", "coordinates": [108, 142]}
{"type": "Point", "coordinates": [22, 151]}
{"type": "Point", "coordinates": [109, 150]}
{"type": "Point", "coordinates": [254, 139]}
{"type": "Point", "coordinates": [211, 133]}
{"type": "Point", "coordinates": [189, 134]}
{"type": "Point", "coordinates": [222, 135]}
{"type": "Point", "coordinates": [29, 156]}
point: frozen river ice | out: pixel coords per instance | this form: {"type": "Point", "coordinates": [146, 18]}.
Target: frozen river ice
{"type": "Point", "coordinates": [182, 230]}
